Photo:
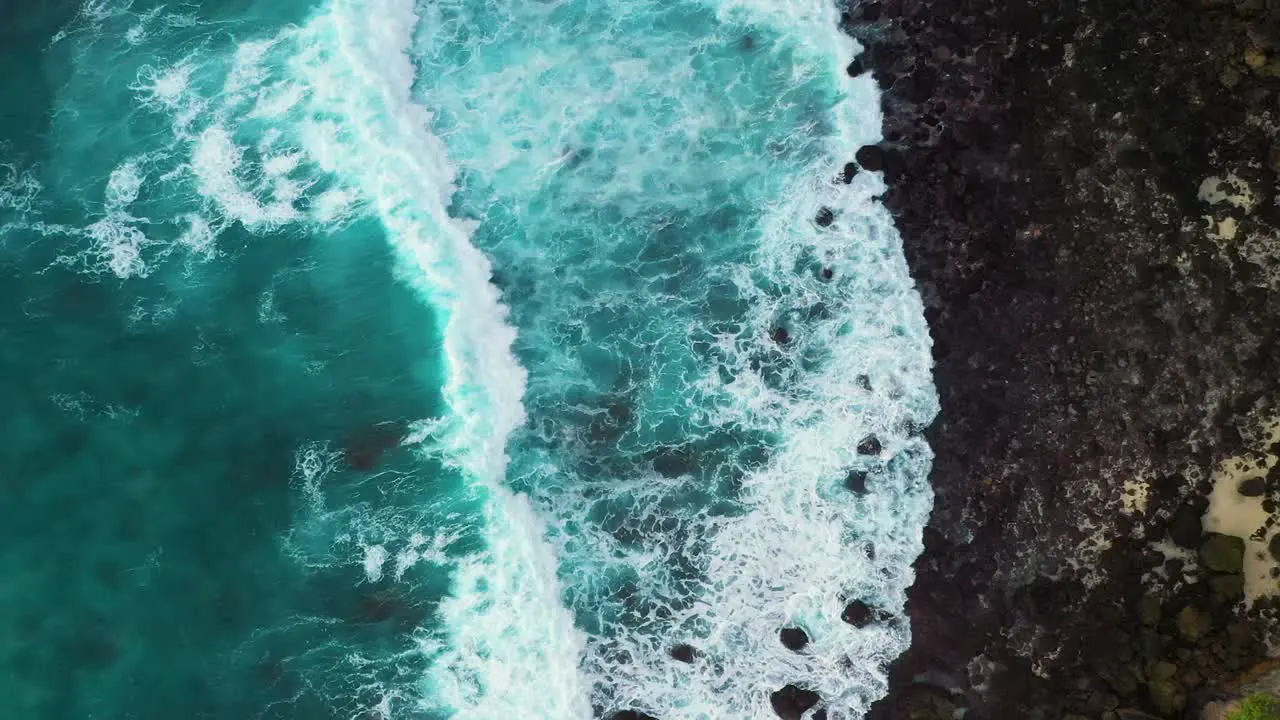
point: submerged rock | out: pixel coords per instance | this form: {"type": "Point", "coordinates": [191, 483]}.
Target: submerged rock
{"type": "Point", "coordinates": [684, 652]}
{"type": "Point", "coordinates": [391, 607]}
{"type": "Point", "coordinates": [364, 448]}
{"type": "Point", "coordinates": [856, 482]}
{"type": "Point", "coordinates": [674, 462]}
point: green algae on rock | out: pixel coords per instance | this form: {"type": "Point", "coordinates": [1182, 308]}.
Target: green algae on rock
{"type": "Point", "coordinates": [1223, 553]}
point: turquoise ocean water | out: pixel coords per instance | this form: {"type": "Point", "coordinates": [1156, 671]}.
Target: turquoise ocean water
{"type": "Point", "coordinates": [371, 359]}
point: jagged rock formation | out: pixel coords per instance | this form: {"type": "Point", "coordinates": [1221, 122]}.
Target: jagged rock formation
{"type": "Point", "coordinates": [1087, 196]}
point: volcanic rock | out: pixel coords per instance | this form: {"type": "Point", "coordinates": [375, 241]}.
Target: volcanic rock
{"type": "Point", "coordinates": [791, 702]}
{"type": "Point", "coordinates": [1222, 553]}
{"type": "Point", "coordinates": [793, 638]}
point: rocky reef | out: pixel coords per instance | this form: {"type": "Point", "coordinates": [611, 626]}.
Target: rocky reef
{"type": "Point", "coordinates": [1087, 193]}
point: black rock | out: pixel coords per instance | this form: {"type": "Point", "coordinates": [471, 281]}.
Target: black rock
{"type": "Point", "coordinates": [1185, 529]}
{"type": "Point", "coordinates": [1227, 587]}
{"type": "Point", "coordinates": [1149, 610]}
{"type": "Point", "coordinates": [1222, 553]}
{"type": "Point", "coordinates": [856, 481]}
{"type": "Point", "coordinates": [858, 614]}
{"type": "Point", "coordinates": [856, 68]}
{"type": "Point", "coordinates": [895, 165]}
{"type": "Point", "coordinates": [1253, 487]}
{"type": "Point", "coordinates": [913, 428]}
{"type": "Point", "coordinates": [791, 702]}
{"type": "Point", "coordinates": [793, 638]}
{"type": "Point", "coordinates": [1133, 158]}
{"type": "Point", "coordinates": [633, 715]}
{"type": "Point", "coordinates": [923, 82]}
{"type": "Point", "coordinates": [1274, 547]}
{"type": "Point", "coordinates": [850, 170]}
{"type": "Point", "coordinates": [825, 217]}
{"type": "Point", "coordinates": [827, 274]}
{"type": "Point", "coordinates": [1132, 714]}
{"type": "Point", "coordinates": [871, 158]}
{"type": "Point", "coordinates": [870, 445]}
{"type": "Point", "coordinates": [1041, 328]}
{"type": "Point", "coordinates": [620, 411]}
{"type": "Point", "coordinates": [780, 335]}
{"type": "Point", "coordinates": [684, 652]}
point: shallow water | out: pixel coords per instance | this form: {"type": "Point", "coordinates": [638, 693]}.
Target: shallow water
{"type": "Point", "coordinates": [459, 359]}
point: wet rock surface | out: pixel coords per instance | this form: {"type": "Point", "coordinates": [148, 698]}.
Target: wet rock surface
{"type": "Point", "coordinates": [1087, 196]}
{"type": "Point", "coordinates": [793, 638]}
{"type": "Point", "coordinates": [1222, 553]}
{"type": "Point", "coordinates": [791, 702]}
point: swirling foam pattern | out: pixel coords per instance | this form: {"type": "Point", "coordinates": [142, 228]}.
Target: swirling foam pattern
{"type": "Point", "coordinates": [646, 177]}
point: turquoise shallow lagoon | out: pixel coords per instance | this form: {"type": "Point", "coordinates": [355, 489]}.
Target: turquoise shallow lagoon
{"type": "Point", "coordinates": [380, 359]}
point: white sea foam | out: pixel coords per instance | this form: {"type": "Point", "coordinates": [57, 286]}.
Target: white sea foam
{"type": "Point", "coordinates": [19, 188]}
{"type": "Point", "coordinates": [375, 556]}
{"type": "Point", "coordinates": [215, 163]}
{"type": "Point", "coordinates": [797, 550]}
{"type": "Point", "coordinates": [315, 127]}
{"type": "Point", "coordinates": [511, 638]}
{"type": "Point", "coordinates": [336, 94]}
{"type": "Point", "coordinates": [117, 240]}
{"type": "Point", "coordinates": [123, 186]}
{"type": "Point", "coordinates": [120, 247]}
{"type": "Point", "coordinates": [199, 236]}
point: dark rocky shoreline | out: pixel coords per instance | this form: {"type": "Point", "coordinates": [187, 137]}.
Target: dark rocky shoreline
{"type": "Point", "coordinates": [1095, 319]}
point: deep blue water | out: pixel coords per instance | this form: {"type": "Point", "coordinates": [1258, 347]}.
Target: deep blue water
{"type": "Point", "coordinates": [380, 359]}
